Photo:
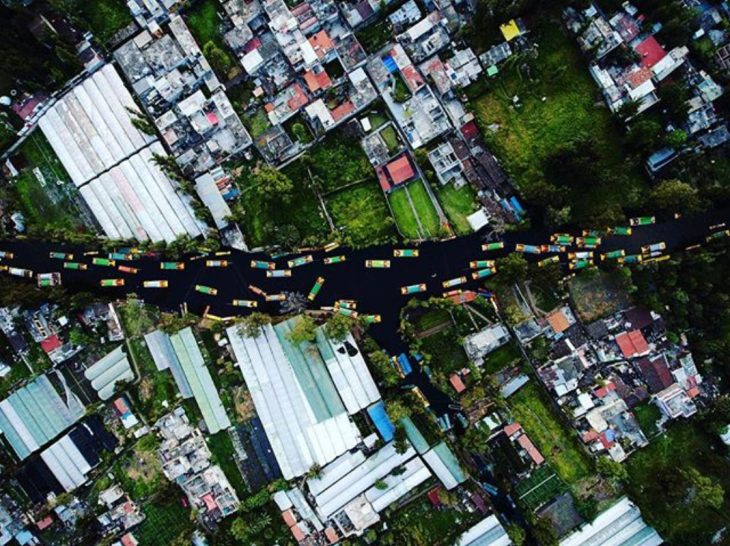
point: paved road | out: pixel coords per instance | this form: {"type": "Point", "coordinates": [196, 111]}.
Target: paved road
{"type": "Point", "coordinates": [377, 291]}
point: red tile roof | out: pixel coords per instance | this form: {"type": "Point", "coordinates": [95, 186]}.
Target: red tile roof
{"type": "Point", "coordinates": [297, 533]}
{"type": "Point", "coordinates": [457, 383]}
{"type": "Point", "coordinates": [412, 77]}
{"type": "Point", "coordinates": [400, 170]}
{"type": "Point", "coordinates": [51, 343]}
{"type": "Point", "coordinates": [532, 451]}
{"type": "Point", "coordinates": [289, 518]}
{"type": "Point", "coordinates": [321, 43]}
{"type": "Point", "coordinates": [344, 109]}
{"type": "Point", "coordinates": [512, 428]}
{"type": "Point", "coordinates": [298, 98]}
{"type": "Point", "coordinates": [638, 77]}
{"type": "Point", "coordinates": [45, 522]}
{"type": "Point", "coordinates": [331, 535]}
{"type": "Point", "coordinates": [383, 179]}
{"type": "Point", "coordinates": [651, 52]}
{"type": "Point", "coordinates": [632, 343]}
{"type": "Point", "coordinates": [315, 82]}
{"type": "Point", "coordinates": [121, 406]}
{"type": "Point", "coordinates": [433, 497]}
{"type": "Point", "coordinates": [209, 502]}
{"type": "Point", "coordinates": [129, 540]}
{"type": "Point", "coordinates": [470, 130]}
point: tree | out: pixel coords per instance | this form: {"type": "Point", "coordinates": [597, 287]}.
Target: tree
{"type": "Point", "coordinates": [676, 139]}
{"type": "Point", "coordinates": [674, 195]}
{"type": "Point", "coordinates": [707, 494]}
{"type": "Point", "coordinates": [644, 136]}
{"type": "Point", "coordinates": [384, 367]}
{"type": "Point", "coordinates": [338, 326]}
{"type": "Point", "coordinates": [512, 268]}
{"type": "Point", "coordinates": [271, 184]}
{"type": "Point", "coordinates": [315, 471]}
{"type": "Point", "coordinates": [251, 325]}
{"type": "Point", "coordinates": [516, 534]}
{"type": "Point", "coordinates": [544, 532]}
{"type": "Point", "coordinates": [576, 164]}
{"type": "Point", "coordinates": [611, 470]}
{"type": "Point", "coordinates": [218, 59]}
{"type": "Point", "coordinates": [628, 109]}
{"type": "Point", "coordinates": [397, 410]}
{"type": "Point", "coordinates": [303, 330]}
{"type": "Point", "coordinates": [400, 439]}
{"type": "Point", "coordinates": [674, 98]}
{"type": "Point", "coordinates": [556, 217]}
{"type": "Point", "coordinates": [476, 439]}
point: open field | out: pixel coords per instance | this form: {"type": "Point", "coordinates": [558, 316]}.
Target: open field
{"type": "Point", "coordinates": [424, 208]}
{"type": "Point", "coordinates": [572, 107]}
{"type": "Point", "coordinates": [557, 443]}
{"type": "Point", "coordinates": [499, 359]}
{"type": "Point", "coordinates": [166, 519]}
{"type": "Point", "coordinates": [596, 295]}
{"type": "Point", "coordinates": [542, 485]}
{"type": "Point", "coordinates": [360, 211]}
{"type": "Point", "coordinates": [659, 485]}
{"type": "Point", "coordinates": [403, 213]}
{"type": "Point", "coordinates": [457, 204]}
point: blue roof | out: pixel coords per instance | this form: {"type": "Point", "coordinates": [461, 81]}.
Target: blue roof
{"type": "Point", "coordinates": [382, 422]}
{"type": "Point", "coordinates": [390, 64]}
{"type": "Point", "coordinates": [405, 364]}
{"type": "Point", "coordinates": [516, 204]}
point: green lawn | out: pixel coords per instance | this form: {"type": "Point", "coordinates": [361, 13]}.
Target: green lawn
{"type": "Point", "coordinates": [106, 17]}
{"type": "Point", "coordinates": [403, 213]}
{"type": "Point", "coordinates": [647, 415]}
{"type": "Point", "coordinates": [424, 208]}
{"type": "Point", "coordinates": [542, 486]}
{"type": "Point", "coordinates": [390, 137]}
{"type": "Point", "coordinates": [499, 359]}
{"type": "Point", "coordinates": [572, 107]}
{"type": "Point", "coordinates": [154, 387]}
{"type": "Point", "coordinates": [446, 352]}
{"type": "Point", "coordinates": [432, 317]}
{"type": "Point", "coordinates": [457, 204]}
{"type": "Point", "coordinates": [558, 444]}
{"type": "Point", "coordinates": [362, 212]}
{"type": "Point", "coordinates": [659, 487]}
{"type": "Point", "coordinates": [166, 519]}
{"type": "Point", "coordinates": [258, 123]}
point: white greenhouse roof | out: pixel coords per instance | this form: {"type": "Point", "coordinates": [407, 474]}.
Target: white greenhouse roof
{"type": "Point", "coordinates": [488, 532]}
{"type": "Point", "coordinates": [111, 369]}
{"type": "Point", "coordinates": [350, 374]}
{"type": "Point", "coordinates": [163, 353]}
{"type": "Point", "coordinates": [66, 463]}
{"type": "Point", "coordinates": [300, 409]}
{"type": "Point", "coordinates": [109, 160]}
{"type": "Point", "coordinates": [620, 525]}
{"type": "Point", "coordinates": [360, 479]}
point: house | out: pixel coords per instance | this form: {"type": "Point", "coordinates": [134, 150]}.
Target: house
{"type": "Point", "coordinates": [655, 373]}
{"type": "Point", "coordinates": [480, 344]}
{"type": "Point", "coordinates": [525, 448]}
{"type": "Point", "coordinates": [632, 344]}
{"type": "Point", "coordinates": [395, 173]}
{"type": "Point", "coordinates": [674, 402]}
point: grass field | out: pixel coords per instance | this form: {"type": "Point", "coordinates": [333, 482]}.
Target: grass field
{"type": "Point", "coordinates": [557, 444]}
{"type": "Point", "coordinates": [659, 487]}
{"type": "Point", "coordinates": [572, 107]}
{"type": "Point", "coordinates": [499, 359]}
{"type": "Point", "coordinates": [390, 137]}
{"type": "Point", "coordinates": [457, 204]}
{"type": "Point", "coordinates": [432, 317]}
{"type": "Point", "coordinates": [424, 208]}
{"type": "Point", "coordinates": [166, 519]}
{"type": "Point", "coordinates": [597, 296]}
{"type": "Point", "coordinates": [362, 212]}
{"type": "Point", "coordinates": [542, 486]}
{"type": "Point", "coordinates": [647, 415]}
{"type": "Point", "coordinates": [106, 17]}
{"type": "Point", "coordinates": [404, 215]}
